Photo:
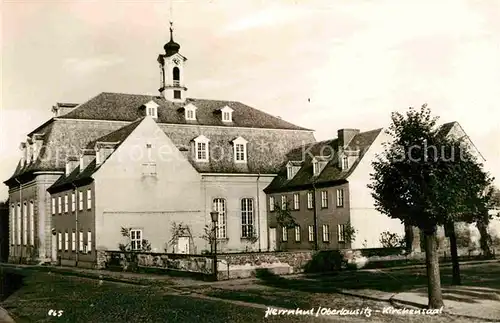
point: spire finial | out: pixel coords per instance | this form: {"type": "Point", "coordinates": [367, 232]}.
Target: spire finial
{"type": "Point", "coordinates": [171, 31]}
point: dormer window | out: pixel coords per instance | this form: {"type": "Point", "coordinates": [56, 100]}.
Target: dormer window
{"type": "Point", "coordinates": [227, 114]}
{"type": "Point", "coordinates": [152, 109]}
{"type": "Point", "coordinates": [315, 168]}
{"type": "Point", "coordinates": [319, 162]}
{"type": "Point", "coordinates": [240, 150]}
{"type": "Point", "coordinates": [201, 148]}
{"type": "Point", "coordinates": [292, 168]}
{"type": "Point", "coordinates": [190, 112]}
{"type": "Point", "coordinates": [345, 163]}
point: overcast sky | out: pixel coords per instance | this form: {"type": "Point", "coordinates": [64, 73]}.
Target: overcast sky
{"type": "Point", "coordinates": [356, 61]}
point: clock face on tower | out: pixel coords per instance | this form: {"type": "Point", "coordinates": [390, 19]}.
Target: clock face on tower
{"type": "Point", "coordinates": [176, 61]}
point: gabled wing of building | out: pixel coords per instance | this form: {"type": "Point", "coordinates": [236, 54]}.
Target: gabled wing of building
{"type": "Point", "coordinates": [332, 173]}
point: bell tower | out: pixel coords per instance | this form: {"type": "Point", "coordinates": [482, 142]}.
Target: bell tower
{"type": "Point", "coordinates": [172, 86]}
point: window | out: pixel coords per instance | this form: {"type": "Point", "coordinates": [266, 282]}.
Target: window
{"type": "Point", "coordinates": [66, 203]}
{"type": "Point", "coordinates": [340, 197]}
{"type": "Point", "coordinates": [136, 239]}
{"type": "Point", "coordinates": [73, 202]}
{"type": "Point", "coordinates": [12, 225]}
{"type": "Point", "coordinates": [80, 241]}
{"type": "Point", "coordinates": [149, 169]}
{"type": "Point", "coordinates": [201, 151]}
{"type": "Point", "coordinates": [18, 212]}
{"type": "Point", "coordinates": [246, 217]}
{"type": "Point", "coordinates": [25, 223]}
{"type": "Point", "coordinates": [315, 168]}
{"type": "Point", "coordinates": [176, 75]}
{"type": "Point", "coordinates": [297, 234]}
{"type": "Point", "coordinates": [152, 109]}
{"type": "Point", "coordinates": [201, 148]}
{"type": "Point", "coordinates": [89, 199]}
{"type": "Point", "coordinates": [289, 173]}
{"type": "Point", "coordinates": [177, 94]}
{"type": "Point", "coordinates": [296, 201]}
{"type": "Point", "coordinates": [284, 234]}
{"type": "Point", "coordinates": [341, 232]}
{"type": "Point", "coordinates": [271, 203]}
{"type": "Point", "coordinates": [66, 241]}
{"type": "Point", "coordinates": [240, 150]}
{"type": "Point", "coordinates": [80, 200]}
{"type": "Point", "coordinates": [59, 205]}
{"type": "Point", "coordinates": [326, 233]}
{"type": "Point", "coordinates": [89, 241]}
{"type": "Point", "coordinates": [227, 114]}
{"type": "Point", "coordinates": [73, 241]}
{"type": "Point", "coordinates": [53, 205]}
{"type": "Point", "coordinates": [32, 223]}
{"type": "Point", "coordinates": [189, 110]}
{"type": "Point", "coordinates": [283, 202]}
{"type": "Point", "coordinates": [309, 200]}
{"type": "Point", "coordinates": [324, 199]}
{"type": "Point", "coordinates": [59, 240]}
{"type": "Point", "coordinates": [220, 206]}
{"type": "Point", "coordinates": [311, 233]}
{"type": "Point", "coordinates": [345, 163]}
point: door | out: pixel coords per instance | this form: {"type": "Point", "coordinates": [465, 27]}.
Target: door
{"type": "Point", "coordinates": [183, 245]}
{"type": "Point", "coordinates": [272, 239]}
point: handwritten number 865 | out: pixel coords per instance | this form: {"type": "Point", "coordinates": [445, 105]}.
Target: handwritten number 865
{"type": "Point", "coordinates": [56, 313]}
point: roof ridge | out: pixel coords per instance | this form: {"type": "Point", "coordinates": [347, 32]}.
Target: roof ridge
{"type": "Point", "coordinates": [129, 128]}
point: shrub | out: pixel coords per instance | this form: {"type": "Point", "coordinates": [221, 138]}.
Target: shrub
{"type": "Point", "coordinates": [325, 261]}
{"type": "Point", "coordinates": [392, 240]}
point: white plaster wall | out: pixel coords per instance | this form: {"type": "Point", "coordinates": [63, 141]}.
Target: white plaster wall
{"type": "Point", "coordinates": [364, 217]}
{"type": "Point", "coordinates": [233, 189]}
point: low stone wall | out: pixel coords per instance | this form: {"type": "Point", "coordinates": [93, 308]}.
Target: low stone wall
{"type": "Point", "coordinates": [244, 265]}
{"type": "Point", "coordinates": [134, 261]}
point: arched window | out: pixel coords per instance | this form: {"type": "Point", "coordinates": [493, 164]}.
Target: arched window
{"type": "Point", "coordinates": [176, 75]}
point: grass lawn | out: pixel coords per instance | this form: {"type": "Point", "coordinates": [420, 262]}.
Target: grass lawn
{"type": "Point", "coordinates": [323, 290]}
{"type": "Point", "coordinates": [87, 300]}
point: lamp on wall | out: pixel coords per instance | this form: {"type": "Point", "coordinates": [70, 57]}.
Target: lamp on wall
{"type": "Point", "coordinates": [214, 215]}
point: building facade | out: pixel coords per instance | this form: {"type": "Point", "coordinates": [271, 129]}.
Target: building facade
{"type": "Point", "coordinates": [326, 186]}
{"type": "Point", "coordinates": [229, 152]}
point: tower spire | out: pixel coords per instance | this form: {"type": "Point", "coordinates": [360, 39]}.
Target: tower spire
{"type": "Point", "coordinates": [171, 31]}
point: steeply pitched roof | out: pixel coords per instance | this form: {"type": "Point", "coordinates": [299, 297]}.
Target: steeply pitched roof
{"type": "Point", "coordinates": [63, 138]}
{"type": "Point", "coordinates": [268, 137]}
{"type": "Point", "coordinates": [127, 107]}
{"type": "Point", "coordinates": [331, 173]}
{"type": "Point", "coordinates": [77, 177]}
{"type": "Point", "coordinates": [117, 135]}
{"type": "Point", "coordinates": [445, 128]}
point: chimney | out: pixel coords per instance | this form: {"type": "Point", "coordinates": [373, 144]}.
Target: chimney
{"type": "Point", "coordinates": [72, 162]}
{"type": "Point", "coordinates": [345, 136]}
{"type": "Point", "coordinates": [103, 150]}
{"type": "Point", "coordinates": [37, 140]}
{"type": "Point", "coordinates": [22, 147]}
{"type": "Point", "coordinates": [86, 157]}
{"type": "Point", "coordinates": [29, 151]}
{"type": "Point", "coordinates": [63, 108]}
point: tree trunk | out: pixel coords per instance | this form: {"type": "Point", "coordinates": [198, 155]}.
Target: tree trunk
{"type": "Point", "coordinates": [454, 254]}
{"type": "Point", "coordinates": [433, 275]}
{"type": "Point", "coordinates": [484, 239]}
